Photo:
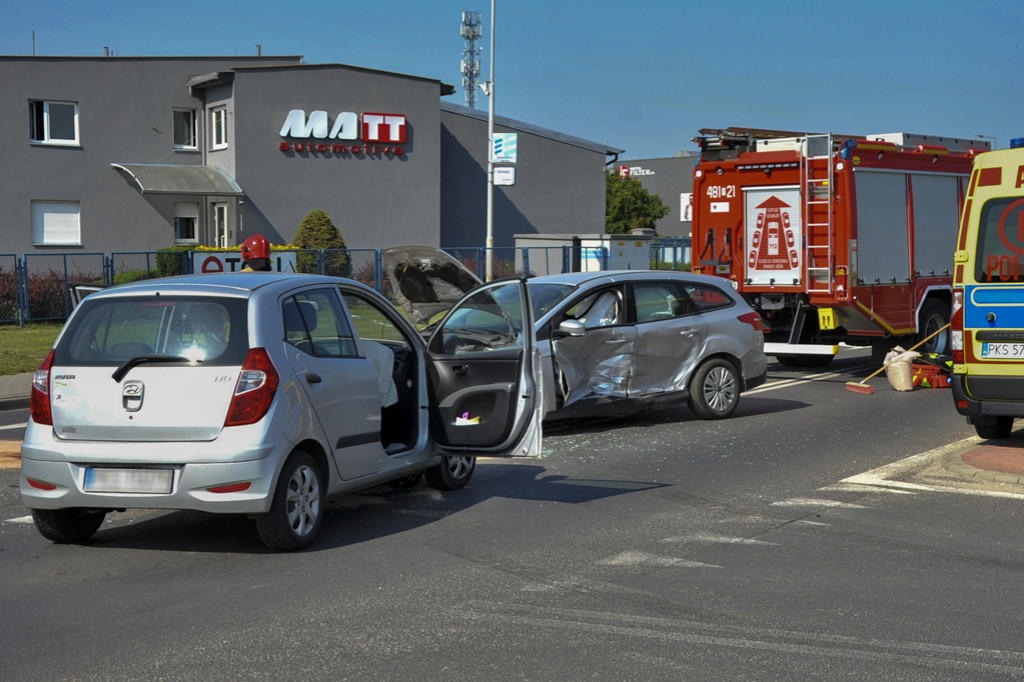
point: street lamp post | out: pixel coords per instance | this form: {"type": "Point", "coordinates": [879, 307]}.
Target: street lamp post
{"type": "Point", "coordinates": [489, 255]}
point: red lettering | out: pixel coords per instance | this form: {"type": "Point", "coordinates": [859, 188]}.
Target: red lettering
{"type": "Point", "coordinates": [1020, 176]}
{"type": "Point", "coordinates": [321, 147]}
{"type": "Point", "coordinates": [399, 151]}
{"type": "Point", "coordinates": [991, 267]}
{"type": "Point", "coordinates": [284, 146]}
{"type": "Point", "coordinates": [356, 149]}
{"type": "Point", "coordinates": [212, 264]}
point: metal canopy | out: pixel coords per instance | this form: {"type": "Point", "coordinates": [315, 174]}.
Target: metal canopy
{"type": "Point", "coordinates": [156, 178]}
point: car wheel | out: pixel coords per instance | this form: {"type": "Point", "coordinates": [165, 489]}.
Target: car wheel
{"type": "Point", "coordinates": [1001, 429]}
{"type": "Point", "coordinates": [297, 509]}
{"type": "Point", "coordinates": [934, 316]}
{"type": "Point", "coordinates": [715, 389]}
{"type": "Point", "coordinates": [452, 473]}
{"type": "Point", "coordinates": [409, 481]}
{"type": "Point", "coordinates": [68, 525]}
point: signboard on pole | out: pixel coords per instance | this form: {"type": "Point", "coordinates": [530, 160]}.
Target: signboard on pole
{"type": "Point", "coordinates": [504, 148]}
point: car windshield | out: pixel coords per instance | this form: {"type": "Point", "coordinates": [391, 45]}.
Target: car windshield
{"type": "Point", "coordinates": [112, 330]}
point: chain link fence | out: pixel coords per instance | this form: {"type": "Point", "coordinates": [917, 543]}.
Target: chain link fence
{"type": "Point", "coordinates": [10, 288]}
{"type": "Point", "coordinates": [42, 286]}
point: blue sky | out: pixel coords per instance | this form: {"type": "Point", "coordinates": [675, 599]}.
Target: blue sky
{"type": "Point", "coordinates": [637, 75]}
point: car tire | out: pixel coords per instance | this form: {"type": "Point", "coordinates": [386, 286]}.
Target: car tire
{"type": "Point", "coordinates": [297, 509]}
{"type": "Point", "coordinates": [934, 316]}
{"type": "Point", "coordinates": [68, 525]}
{"type": "Point", "coordinates": [452, 473]}
{"type": "Point", "coordinates": [1001, 429]}
{"type": "Point", "coordinates": [715, 389]}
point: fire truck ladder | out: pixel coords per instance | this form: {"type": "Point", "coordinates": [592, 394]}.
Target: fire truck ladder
{"type": "Point", "coordinates": [818, 197]}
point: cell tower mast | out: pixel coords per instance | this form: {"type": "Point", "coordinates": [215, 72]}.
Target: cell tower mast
{"type": "Point", "coordinates": [471, 30]}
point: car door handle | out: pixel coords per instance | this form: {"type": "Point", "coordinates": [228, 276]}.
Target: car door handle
{"type": "Point", "coordinates": [614, 341]}
{"type": "Point", "coordinates": [313, 378]}
{"type": "Point", "coordinates": [687, 332]}
{"type": "Point", "coordinates": [460, 370]}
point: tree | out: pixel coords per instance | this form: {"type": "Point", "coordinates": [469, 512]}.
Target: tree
{"type": "Point", "coordinates": [629, 206]}
{"type": "Point", "coordinates": [318, 232]}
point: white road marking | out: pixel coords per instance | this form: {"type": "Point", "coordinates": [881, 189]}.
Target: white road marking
{"type": "Point", "coordinates": [880, 477]}
{"type": "Point", "coordinates": [637, 558]}
{"type": "Point", "coordinates": [816, 502]}
{"type": "Point", "coordinates": [785, 383]}
{"type": "Point", "coordinates": [20, 519]}
{"type": "Point", "coordinates": [14, 426]}
{"type": "Point", "coordinates": [713, 539]}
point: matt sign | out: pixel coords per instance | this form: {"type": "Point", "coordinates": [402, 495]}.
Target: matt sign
{"type": "Point", "coordinates": [347, 133]}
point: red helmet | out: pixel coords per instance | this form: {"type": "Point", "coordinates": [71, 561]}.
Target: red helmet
{"type": "Point", "coordinates": [255, 246]}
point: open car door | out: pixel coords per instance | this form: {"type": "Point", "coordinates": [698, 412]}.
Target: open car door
{"type": "Point", "coordinates": [484, 375]}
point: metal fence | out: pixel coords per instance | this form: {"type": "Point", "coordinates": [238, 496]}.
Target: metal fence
{"type": "Point", "coordinates": [39, 286]}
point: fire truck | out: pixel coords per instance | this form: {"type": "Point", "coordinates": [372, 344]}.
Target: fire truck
{"type": "Point", "coordinates": [833, 238]}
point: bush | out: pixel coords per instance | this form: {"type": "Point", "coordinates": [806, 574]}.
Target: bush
{"type": "Point", "coordinates": [318, 232]}
{"type": "Point", "coordinates": [48, 296]}
{"type": "Point", "coordinates": [170, 260]}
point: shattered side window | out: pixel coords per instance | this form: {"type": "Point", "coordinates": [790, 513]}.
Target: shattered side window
{"type": "Point", "coordinates": [601, 309]}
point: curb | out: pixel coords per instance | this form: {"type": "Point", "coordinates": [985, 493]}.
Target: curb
{"type": "Point", "coordinates": [954, 463]}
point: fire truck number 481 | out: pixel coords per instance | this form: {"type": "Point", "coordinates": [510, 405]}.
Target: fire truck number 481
{"type": "Point", "coordinates": [721, 191]}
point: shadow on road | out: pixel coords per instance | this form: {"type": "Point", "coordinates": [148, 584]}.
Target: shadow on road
{"type": "Point", "coordinates": [359, 517]}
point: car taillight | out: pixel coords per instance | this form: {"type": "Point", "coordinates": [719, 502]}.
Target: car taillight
{"type": "Point", "coordinates": [956, 327]}
{"type": "Point", "coordinates": [753, 319]}
{"type": "Point", "coordinates": [257, 384]}
{"type": "Point", "coordinates": [39, 400]}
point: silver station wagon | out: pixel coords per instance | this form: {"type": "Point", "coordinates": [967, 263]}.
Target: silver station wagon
{"type": "Point", "coordinates": [614, 342]}
{"type": "Point", "coordinates": [265, 394]}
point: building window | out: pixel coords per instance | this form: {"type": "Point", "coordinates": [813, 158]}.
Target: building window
{"type": "Point", "coordinates": [53, 122]}
{"type": "Point", "coordinates": [185, 129]}
{"type": "Point", "coordinates": [219, 128]}
{"type": "Point", "coordinates": [186, 218]}
{"type": "Point", "coordinates": [56, 223]}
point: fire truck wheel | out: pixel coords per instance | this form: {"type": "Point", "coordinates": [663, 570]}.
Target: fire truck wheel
{"type": "Point", "coordinates": [715, 389]}
{"type": "Point", "coordinates": [934, 316]}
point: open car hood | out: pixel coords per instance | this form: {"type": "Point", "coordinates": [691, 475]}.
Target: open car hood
{"type": "Point", "coordinates": [425, 281]}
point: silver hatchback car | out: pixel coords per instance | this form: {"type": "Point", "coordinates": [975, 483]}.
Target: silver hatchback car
{"type": "Point", "coordinates": [614, 342]}
{"type": "Point", "coordinates": [265, 394]}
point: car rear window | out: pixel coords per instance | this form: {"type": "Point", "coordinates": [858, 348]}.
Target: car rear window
{"type": "Point", "coordinates": [112, 330]}
{"type": "Point", "coordinates": [1000, 248]}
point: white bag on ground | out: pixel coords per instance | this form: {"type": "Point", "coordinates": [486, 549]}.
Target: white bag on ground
{"type": "Point", "coordinates": [898, 368]}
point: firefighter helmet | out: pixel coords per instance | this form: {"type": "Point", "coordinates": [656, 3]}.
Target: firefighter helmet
{"type": "Point", "coordinates": [255, 246]}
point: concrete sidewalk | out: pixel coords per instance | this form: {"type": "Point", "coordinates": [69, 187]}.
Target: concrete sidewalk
{"type": "Point", "coordinates": [15, 390]}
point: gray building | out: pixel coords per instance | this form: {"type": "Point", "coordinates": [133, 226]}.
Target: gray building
{"type": "Point", "coordinates": [672, 180]}
{"type": "Point", "coordinates": [139, 153]}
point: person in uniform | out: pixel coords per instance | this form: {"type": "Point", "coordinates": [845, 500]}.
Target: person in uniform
{"type": "Point", "coordinates": [256, 254]}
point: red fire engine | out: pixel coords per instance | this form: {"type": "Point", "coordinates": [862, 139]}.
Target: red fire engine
{"type": "Point", "coordinates": [832, 238]}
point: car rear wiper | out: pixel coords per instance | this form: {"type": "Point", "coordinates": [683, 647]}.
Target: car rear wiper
{"type": "Point", "coordinates": [140, 359]}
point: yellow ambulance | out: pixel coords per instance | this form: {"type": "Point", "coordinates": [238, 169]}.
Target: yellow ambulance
{"type": "Point", "coordinates": [987, 332]}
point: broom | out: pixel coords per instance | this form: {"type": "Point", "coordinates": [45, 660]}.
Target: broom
{"type": "Point", "coordinates": [862, 385]}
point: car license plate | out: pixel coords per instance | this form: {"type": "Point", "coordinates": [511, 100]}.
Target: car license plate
{"type": "Point", "coordinates": [146, 481]}
{"type": "Point", "coordinates": [998, 351]}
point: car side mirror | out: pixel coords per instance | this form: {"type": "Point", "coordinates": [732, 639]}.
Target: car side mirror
{"type": "Point", "coordinates": [570, 328]}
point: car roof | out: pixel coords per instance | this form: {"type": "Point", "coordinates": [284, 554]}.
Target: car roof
{"type": "Point", "coordinates": [578, 278]}
{"type": "Point", "coordinates": [224, 284]}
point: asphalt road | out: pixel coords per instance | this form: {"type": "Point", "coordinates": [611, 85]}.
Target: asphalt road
{"type": "Point", "coordinates": [793, 541]}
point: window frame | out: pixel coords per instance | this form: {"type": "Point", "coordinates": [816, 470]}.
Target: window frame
{"type": "Point", "coordinates": [219, 127]}
{"type": "Point", "coordinates": [193, 122]}
{"type": "Point", "coordinates": [42, 137]}
{"type": "Point", "coordinates": [37, 209]}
